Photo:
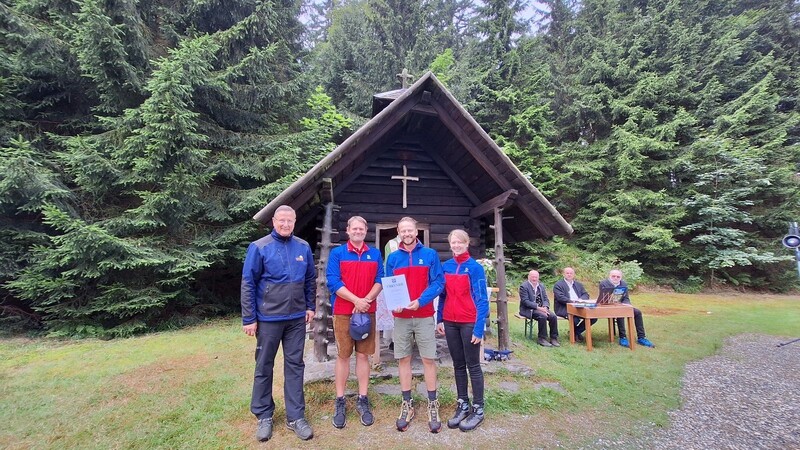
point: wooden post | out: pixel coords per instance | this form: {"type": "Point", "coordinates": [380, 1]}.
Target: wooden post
{"type": "Point", "coordinates": [323, 296]}
{"type": "Point", "coordinates": [503, 341]}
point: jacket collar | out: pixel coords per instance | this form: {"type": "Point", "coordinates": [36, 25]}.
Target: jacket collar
{"type": "Point", "coordinates": [356, 250]}
{"type": "Point", "coordinates": [278, 237]}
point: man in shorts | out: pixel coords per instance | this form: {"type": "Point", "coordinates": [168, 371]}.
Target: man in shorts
{"type": "Point", "coordinates": [416, 322]}
{"type": "Point", "coordinates": [354, 279]}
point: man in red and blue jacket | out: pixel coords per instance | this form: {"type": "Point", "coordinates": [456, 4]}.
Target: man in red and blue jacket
{"type": "Point", "coordinates": [416, 323]}
{"type": "Point", "coordinates": [354, 279]}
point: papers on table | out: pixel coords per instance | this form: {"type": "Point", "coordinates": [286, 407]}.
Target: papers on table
{"type": "Point", "coordinates": [395, 291]}
{"type": "Point", "coordinates": [585, 303]}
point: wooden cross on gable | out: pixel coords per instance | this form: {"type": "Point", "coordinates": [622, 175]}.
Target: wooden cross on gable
{"type": "Point", "coordinates": [405, 179]}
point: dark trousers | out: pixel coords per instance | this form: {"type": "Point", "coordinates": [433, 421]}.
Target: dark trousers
{"type": "Point", "coordinates": [542, 320]}
{"type": "Point", "coordinates": [580, 324]}
{"type": "Point", "coordinates": [466, 357]}
{"type": "Point", "coordinates": [638, 322]}
{"type": "Point", "coordinates": [291, 334]}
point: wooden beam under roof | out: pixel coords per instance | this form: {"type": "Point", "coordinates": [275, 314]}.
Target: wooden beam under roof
{"type": "Point", "coordinates": [502, 201]}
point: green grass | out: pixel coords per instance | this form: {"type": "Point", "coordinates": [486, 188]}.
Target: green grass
{"type": "Point", "coordinates": [191, 388]}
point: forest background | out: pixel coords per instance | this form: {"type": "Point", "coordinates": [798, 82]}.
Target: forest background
{"type": "Point", "coordinates": [138, 137]}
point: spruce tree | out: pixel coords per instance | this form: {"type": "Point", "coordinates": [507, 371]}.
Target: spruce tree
{"type": "Point", "coordinates": [163, 185]}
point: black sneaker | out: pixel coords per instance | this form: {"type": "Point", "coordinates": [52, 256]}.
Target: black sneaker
{"type": "Point", "coordinates": [301, 428]}
{"type": "Point", "coordinates": [473, 420]}
{"type": "Point", "coordinates": [434, 421]}
{"type": "Point", "coordinates": [362, 406]}
{"type": "Point", "coordinates": [264, 430]}
{"type": "Point", "coordinates": [462, 411]}
{"type": "Point", "coordinates": [406, 415]}
{"type": "Point", "coordinates": [339, 413]}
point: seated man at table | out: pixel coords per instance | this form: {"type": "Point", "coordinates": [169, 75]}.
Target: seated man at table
{"type": "Point", "coordinates": [567, 290]}
{"type": "Point", "coordinates": [615, 280]}
{"type": "Point", "coordinates": [533, 304]}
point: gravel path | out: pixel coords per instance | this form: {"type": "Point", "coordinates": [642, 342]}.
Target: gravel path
{"type": "Point", "coordinates": [745, 397]}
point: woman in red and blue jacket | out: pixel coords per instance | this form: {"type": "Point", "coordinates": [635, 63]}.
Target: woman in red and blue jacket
{"type": "Point", "coordinates": [463, 307]}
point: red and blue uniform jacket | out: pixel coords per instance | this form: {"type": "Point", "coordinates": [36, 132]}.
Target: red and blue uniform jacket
{"type": "Point", "coordinates": [424, 277]}
{"type": "Point", "coordinates": [465, 298]}
{"type": "Point", "coordinates": [357, 270]}
{"type": "Point", "coordinates": [278, 279]}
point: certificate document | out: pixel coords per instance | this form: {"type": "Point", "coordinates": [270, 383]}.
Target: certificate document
{"type": "Point", "coordinates": [395, 291]}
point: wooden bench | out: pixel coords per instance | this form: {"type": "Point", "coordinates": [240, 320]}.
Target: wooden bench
{"type": "Point", "coordinates": [528, 325]}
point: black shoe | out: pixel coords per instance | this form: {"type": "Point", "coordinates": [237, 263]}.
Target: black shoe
{"type": "Point", "coordinates": [362, 406]}
{"type": "Point", "coordinates": [544, 342]}
{"type": "Point", "coordinates": [406, 415]}
{"type": "Point", "coordinates": [473, 420]}
{"type": "Point", "coordinates": [340, 413]}
{"type": "Point", "coordinates": [579, 338]}
{"type": "Point", "coordinates": [462, 411]}
{"type": "Point", "coordinates": [264, 430]}
{"type": "Point", "coordinates": [301, 428]}
{"type": "Point", "coordinates": [434, 422]}
{"type": "Point", "coordinates": [554, 342]}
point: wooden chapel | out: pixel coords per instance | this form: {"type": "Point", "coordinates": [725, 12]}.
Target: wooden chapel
{"type": "Point", "coordinates": [421, 155]}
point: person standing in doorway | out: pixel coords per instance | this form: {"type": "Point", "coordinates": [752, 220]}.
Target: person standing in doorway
{"type": "Point", "coordinates": [384, 320]}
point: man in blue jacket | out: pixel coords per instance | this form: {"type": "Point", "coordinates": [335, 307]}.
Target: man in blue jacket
{"type": "Point", "coordinates": [278, 290]}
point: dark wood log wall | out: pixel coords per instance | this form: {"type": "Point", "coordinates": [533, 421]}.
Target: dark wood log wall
{"type": "Point", "coordinates": [434, 200]}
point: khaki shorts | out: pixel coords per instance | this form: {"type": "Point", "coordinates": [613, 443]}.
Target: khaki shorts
{"type": "Point", "coordinates": [345, 343]}
{"type": "Point", "coordinates": [408, 331]}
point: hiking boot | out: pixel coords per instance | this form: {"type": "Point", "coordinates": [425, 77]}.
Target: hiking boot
{"type": "Point", "coordinates": [554, 342]}
{"type": "Point", "coordinates": [462, 411]}
{"type": "Point", "coordinates": [264, 430]}
{"type": "Point", "coordinates": [362, 406]}
{"type": "Point", "coordinates": [434, 421]}
{"type": "Point", "coordinates": [340, 413]}
{"type": "Point", "coordinates": [301, 428]}
{"type": "Point", "coordinates": [624, 342]}
{"type": "Point", "coordinates": [544, 342]}
{"type": "Point", "coordinates": [474, 419]}
{"type": "Point", "coordinates": [645, 342]}
{"type": "Point", "coordinates": [406, 415]}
